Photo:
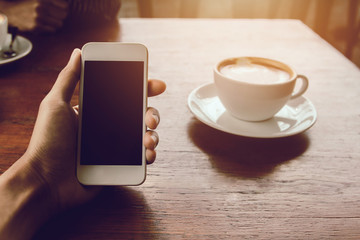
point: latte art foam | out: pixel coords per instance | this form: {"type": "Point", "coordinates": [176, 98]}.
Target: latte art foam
{"type": "Point", "coordinates": [255, 73]}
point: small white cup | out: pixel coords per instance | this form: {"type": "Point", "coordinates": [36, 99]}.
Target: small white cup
{"type": "Point", "coordinates": [3, 30]}
{"type": "Point", "coordinates": [255, 95]}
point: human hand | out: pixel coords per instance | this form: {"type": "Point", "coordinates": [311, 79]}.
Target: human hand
{"type": "Point", "coordinates": [51, 154]}
{"type": "Point", "coordinates": [43, 182]}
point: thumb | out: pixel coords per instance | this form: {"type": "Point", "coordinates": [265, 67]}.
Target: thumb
{"type": "Point", "coordinates": [68, 78]}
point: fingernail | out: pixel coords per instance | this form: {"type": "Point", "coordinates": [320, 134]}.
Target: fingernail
{"type": "Point", "coordinates": [155, 139]}
{"type": "Point", "coordinates": [75, 51]}
{"type": "Point", "coordinates": [156, 117]}
{"type": "Point", "coordinates": [72, 55]}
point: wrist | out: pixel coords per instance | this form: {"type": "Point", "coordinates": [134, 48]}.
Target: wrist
{"type": "Point", "coordinates": [25, 203]}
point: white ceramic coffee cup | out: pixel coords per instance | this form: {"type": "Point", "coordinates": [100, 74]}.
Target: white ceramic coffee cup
{"type": "Point", "coordinates": [3, 30]}
{"type": "Point", "coordinates": [256, 100]}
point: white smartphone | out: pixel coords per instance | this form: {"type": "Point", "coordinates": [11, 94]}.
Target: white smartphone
{"type": "Point", "coordinates": [112, 106]}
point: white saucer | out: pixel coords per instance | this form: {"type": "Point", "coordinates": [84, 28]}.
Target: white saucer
{"type": "Point", "coordinates": [295, 117]}
{"type": "Point", "coordinates": [21, 45]}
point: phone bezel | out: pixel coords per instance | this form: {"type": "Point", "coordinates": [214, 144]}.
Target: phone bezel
{"type": "Point", "coordinates": [112, 174]}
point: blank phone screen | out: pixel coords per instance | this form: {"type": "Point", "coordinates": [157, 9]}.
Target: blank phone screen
{"type": "Point", "coordinates": [112, 113]}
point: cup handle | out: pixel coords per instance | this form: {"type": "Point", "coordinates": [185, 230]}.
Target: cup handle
{"type": "Point", "coordinates": [304, 86]}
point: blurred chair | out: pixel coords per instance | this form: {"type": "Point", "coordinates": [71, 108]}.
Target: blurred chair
{"type": "Point", "coordinates": [296, 9]}
{"type": "Point", "coordinates": [188, 8]}
{"type": "Point", "coordinates": [322, 16]}
{"type": "Point", "coordinates": [145, 8]}
{"type": "Point", "coordinates": [353, 28]}
{"type": "Point", "coordinates": [299, 9]}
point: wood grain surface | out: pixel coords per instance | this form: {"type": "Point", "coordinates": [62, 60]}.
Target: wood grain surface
{"type": "Point", "coordinates": [206, 184]}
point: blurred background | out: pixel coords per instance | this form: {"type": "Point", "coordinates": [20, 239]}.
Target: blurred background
{"type": "Point", "coordinates": [337, 21]}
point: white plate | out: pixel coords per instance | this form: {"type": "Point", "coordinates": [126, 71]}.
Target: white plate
{"type": "Point", "coordinates": [295, 117]}
{"type": "Point", "coordinates": [21, 45]}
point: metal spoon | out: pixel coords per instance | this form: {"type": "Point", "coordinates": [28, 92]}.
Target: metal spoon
{"type": "Point", "coordinates": [11, 52]}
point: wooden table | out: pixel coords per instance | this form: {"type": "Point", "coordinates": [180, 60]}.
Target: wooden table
{"type": "Point", "coordinates": [207, 184]}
